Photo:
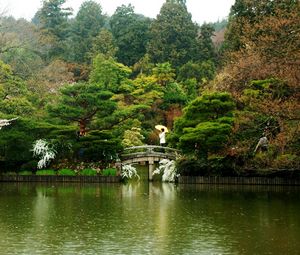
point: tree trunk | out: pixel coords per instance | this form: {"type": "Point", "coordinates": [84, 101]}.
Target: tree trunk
{"type": "Point", "coordinates": [82, 128]}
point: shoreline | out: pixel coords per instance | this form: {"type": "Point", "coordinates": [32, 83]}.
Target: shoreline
{"type": "Point", "coordinates": [214, 180]}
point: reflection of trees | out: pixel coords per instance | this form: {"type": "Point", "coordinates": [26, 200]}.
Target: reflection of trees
{"type": "Point", "coordinates": [143, 218]}
{"type": "Point", "coordinates": [166, 194]}
{"type": "Point", "coordinates": [241, 219]}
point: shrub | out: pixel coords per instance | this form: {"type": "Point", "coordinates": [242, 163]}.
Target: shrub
{"type": "Point", "coordinates": [129, 172]}
{"type": "Point", "coordinates": [287, 161]}
{"type": "Point", "coordinates": [66, 172]}
{"type": "Point", "coordinates": [109, 172]}
{"type": "Point", "coordinates": [44, 150]}
{"type": "Point", "coordinates": [10, 173]}
{"type": "Point", "coordinates": [221, 166]}
{"type": "Point", "coordinates": [29, 166]}
{"type": "Point", "coordinates": [25, 173]}
{"type": "Point", "coordinates": [192, 167]}
{"type": "Point", "coordinates": [46, 172]}
{"type": "Point", "coordinates": [168, 169]}
{"type": "Point", "coordinates": [88, 172]}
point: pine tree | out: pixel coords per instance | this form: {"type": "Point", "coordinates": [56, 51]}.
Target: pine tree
{"type": "Point", "coordinates": [173, 35]}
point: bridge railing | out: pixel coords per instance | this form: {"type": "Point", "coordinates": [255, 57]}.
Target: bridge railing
{"type": "Point", "coordinates": [149, 150]}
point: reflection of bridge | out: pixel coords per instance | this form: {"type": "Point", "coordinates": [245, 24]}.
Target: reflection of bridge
{"type": "Point", "coordinates": [147, 154]}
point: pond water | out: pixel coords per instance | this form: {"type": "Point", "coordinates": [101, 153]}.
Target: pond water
{"type": "Point", "coordinates": [148, 218]}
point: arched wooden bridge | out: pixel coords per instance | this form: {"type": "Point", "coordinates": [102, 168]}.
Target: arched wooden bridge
{"type": "Point", "coordinates": [148, 154]}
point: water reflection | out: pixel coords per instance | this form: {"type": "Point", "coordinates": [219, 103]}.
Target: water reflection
{"type": "Point", "coordinates": [143, 218]}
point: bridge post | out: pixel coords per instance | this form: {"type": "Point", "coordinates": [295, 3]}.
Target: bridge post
{"type": "Point", "coordinates": [151, 169]}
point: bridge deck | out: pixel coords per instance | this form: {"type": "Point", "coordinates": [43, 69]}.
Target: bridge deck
{"type": "Point", "coordinates": [148, 153]}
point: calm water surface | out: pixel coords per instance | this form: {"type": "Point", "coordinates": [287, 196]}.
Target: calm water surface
{"type": "Point", "coordinates": [142, 218]}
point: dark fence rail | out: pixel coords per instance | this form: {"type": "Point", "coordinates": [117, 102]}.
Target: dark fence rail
{"type": "Point", "coordinates": [57, 178]}
{"type": "Point", "coordinates": [181, 179]}
{"type": "Point", "coordinates": [238, 180]}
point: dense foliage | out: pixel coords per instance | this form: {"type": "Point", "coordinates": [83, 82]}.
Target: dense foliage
{"type": "Point", "coordinates": [90, 85]}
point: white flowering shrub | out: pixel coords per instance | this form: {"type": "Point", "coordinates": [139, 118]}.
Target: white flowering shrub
{"type": "Point", "coordinates": [41, 148]}
{"type": "Point", "coordinates": [5, 122]}
{"type": "Point", "coordinates": [129, 172]}
{"type": "Point", "coordinates": [168, 169]}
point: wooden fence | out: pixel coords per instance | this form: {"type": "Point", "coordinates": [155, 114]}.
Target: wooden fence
{"type": "Point", "coordinates": [57, 178]}
{"type": "Point", "coordinates": [181, 180]}
{"type": "Point", "coordinates": [238, 180]}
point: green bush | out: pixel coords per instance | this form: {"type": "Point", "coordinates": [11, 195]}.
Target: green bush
{"type": "Point", "coordinates": [46, 172]}
{"type": "Point", "coordinates": [29, 166]}
{"type": "Point", "coordinates": [88, 172]}
{"type": "Point", "coordinates": [97, 146]}
{"type": "Point", "coordinates": [10, 173]}
{"type": "Point", "coordinates": [192, 167]}
{"type": "Point", "coordinates": [287, 161]}
{"type": "Point", "coordinates": [221, 166]}
{"type": "Point", "coordinates": [66, 172]}
{"type": "Point", "coordinates": [25, 173]}
{"type": "Point", "coordinates": [109, 172]}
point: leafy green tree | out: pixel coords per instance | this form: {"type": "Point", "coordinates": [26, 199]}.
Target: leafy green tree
{"type": "Point", "coordinates": [146, 90]}
{"type": "Point", "coordinates": [86, 26]}
{"type": "Point", "coordinates": [174, 94]}
{"type": "Point", "coordinates": [191, 88]}
{"type": "Point", "coordinates": [98, 146]}
{"type": "Point", "coordinates": [13, 93]}
{"type": "Point", "coordinates": [252, 12]}
{"type": "Point", "coordinates": [25, 62]}
{"type": "Point", "coordinates": [164, 73]}
{"type": "Point", "coordinates": [173, 36]}
{"type": "Point", "coordinates": [143, 66]}
{"type": "Point", "coordinates": [104, 44]}
{"type": "Point", "coordinates": [202, 72]}
{"type": "Point", "coordinates": [16, 141]}
{"type": "Point", "coordinates": [8, 39]}
{"type": "Point", "coordinates": [262, 72]}
{"type": "Point", "coordinates": [109, 73]}
{"type": "Point", "coordinates": [130, 31]}
{"type": "Point", "coordinates": [204, 138]}
{"type": "Point", "coordinates": [133, 137]}
{"type": "Point", "coordinates": [19, 46]}
{"type": "Point", "coordinates": [219, 25]}
{"type": "Point", "coordinates": [205, 125]}
{"type": "Point", "coordinates": [174, 100]}
{"type": "Point", "coordinates": [81, 103]}
{"type": "Point", "coordinates": [53, 24]}
{"type": "Point", "coordinates": [207, 51]}
{"type": "Point", "coordinates": [181, 2]}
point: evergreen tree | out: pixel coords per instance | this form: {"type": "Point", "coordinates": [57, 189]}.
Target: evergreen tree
{"type": "Point", "coordinates": [104, 44]}
{"type": "Point", "coordinates": [53, 24]}
{"type": "Point", "coordinates": [181, 2]}
{"type": "Point", "coordinates": [130, 31]}
{"type": "Point", "coordinates": [164, 73]}
{"type": "Point", "coordinates": [13, 93]}
{"type": "Point", "coordinates": [81, 103]}
{"type": "Point", "coordinates": [86, 26]}
{"type": "Point", "coordinates": [205, 125]}
{"type": "Point", "coordinates": [206, 46]}
{"type": "Point", "coordinates": [19, 46]}
{"type": "Point", "coordinates": [173, 35]}
{"type": "Point", "coordinates": [245, 12]}
{"type": "Point", "coordinates": [109, 73]}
